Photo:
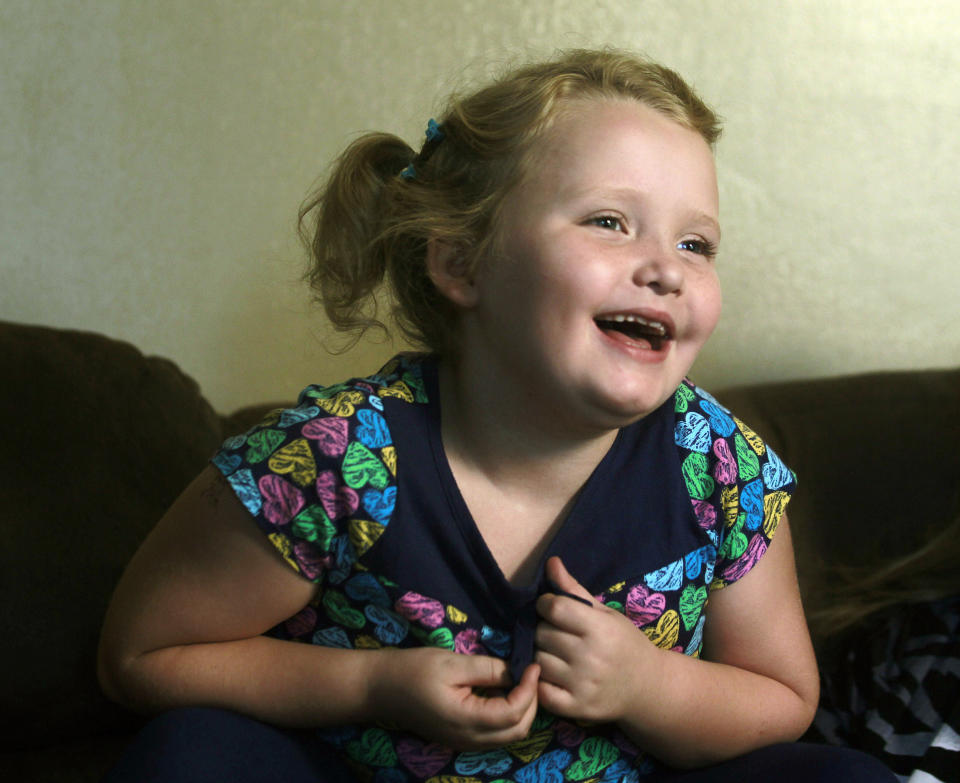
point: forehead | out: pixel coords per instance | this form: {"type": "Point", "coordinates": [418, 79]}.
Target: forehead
{"type": "Point", "coordinates": [622, 145]}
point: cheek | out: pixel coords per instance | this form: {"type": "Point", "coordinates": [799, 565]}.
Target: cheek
{"type": "Point", "coordinates": [711, 304]}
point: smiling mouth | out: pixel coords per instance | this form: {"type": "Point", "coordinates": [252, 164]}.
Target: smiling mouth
{"type": "Point", "coordinates": [636, 329]}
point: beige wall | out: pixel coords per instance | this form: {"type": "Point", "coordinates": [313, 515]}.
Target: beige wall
{"type": "Point", "coordinates": [154, 154]}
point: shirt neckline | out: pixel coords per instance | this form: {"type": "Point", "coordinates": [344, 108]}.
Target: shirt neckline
{"type": "Point", "coordinates": [515, 596]}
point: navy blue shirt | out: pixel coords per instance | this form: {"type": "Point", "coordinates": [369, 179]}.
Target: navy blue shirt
{"type": "Point", "coordinates": [353, 488]}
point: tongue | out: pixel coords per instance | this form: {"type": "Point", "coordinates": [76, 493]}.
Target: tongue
{"type": "Point", "coordinates": [633, 333]}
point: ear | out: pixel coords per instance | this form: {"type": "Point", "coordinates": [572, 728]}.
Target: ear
{"type": "Point", "coordinates": [451, 273]}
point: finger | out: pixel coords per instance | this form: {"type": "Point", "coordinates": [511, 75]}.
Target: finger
{"type": "Point", "coordinates": [556, 699]}
{"type": "Point", "coordinates": [498, 713]}
{"type": "Point", "coordinates": [562, 579]}
{"type": "Point", "coordinates": [484, 671]}
{"type": "Point", "coordinates": [553, 669]}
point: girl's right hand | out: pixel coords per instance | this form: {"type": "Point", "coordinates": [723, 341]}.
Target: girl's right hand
{"type": "Point", "coordinates": [438, 694]}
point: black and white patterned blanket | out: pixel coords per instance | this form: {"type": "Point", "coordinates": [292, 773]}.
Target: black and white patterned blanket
{"type": "Point", "coordinates": [895, 693]}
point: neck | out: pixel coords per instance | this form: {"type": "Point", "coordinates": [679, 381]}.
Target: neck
{"type": "Point", "coordinates": [506, 434]}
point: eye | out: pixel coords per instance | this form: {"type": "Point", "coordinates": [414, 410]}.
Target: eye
{"type": "Point", "coordinates": [611, 222]}
{"type": "Point", "coordinates": [699, 246]}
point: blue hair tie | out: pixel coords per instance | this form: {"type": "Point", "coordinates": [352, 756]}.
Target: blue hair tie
{"type": "Point", "coordinates": [434, 136]}
{"type": "Point", "coordinates": [434, 131]}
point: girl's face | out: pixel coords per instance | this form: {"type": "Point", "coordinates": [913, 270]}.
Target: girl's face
{"type": "Point", "coordinates": [605, 289]}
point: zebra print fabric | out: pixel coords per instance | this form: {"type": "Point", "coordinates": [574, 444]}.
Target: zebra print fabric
{"type": "Point", "coordinates": [895, 693]}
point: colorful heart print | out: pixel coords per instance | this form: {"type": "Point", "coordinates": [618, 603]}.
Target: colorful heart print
{"type": "Point", "coordinates": [292, 416]}
{"type": "Point", "coordinates": [670, 577]}
{"type": "Point", "coordinates": [399, 390]}
{"type": "Point", "coordinates": [365, 589]}
{"type": "Point", "coordinates": [295, 459]}
{"type": "Point", "coordinates": [775, 473]}
{"type": "Point", "coordinates": [313, 525]}
{"type": "Point", "coordinates": [342, 557]}
{"type": "Point", "coordinates": [696, 638]}
{"type": "Point", "coordinates": [700, 484]}
{"type": "Point", "coordinates": [389, 456]}
{"type": "Point", "coordinates": [490, 763]}
{"type": "Point", "coordinates": [735, 543]}
{"type": "Point", "coordinates": [245, 488]}
{"type": "Point", "coordinates": [331, 435]}
{"type": "Point", "coordinates": [388, 627]}
{"type": "Point", "coordinates": [379, 504]}
{"type": "Point", "coordinates": [751, 504]}
{"type": "Point", "coordinates": [693, 433]}
{"type": "Point", "coordinates": [281, 500]}
{"type": "Point", "coordinates": [420, 609]}
{"type": "Point", "coordinates": [284, 547]}
{"type": "Point", "coordinates": [467, 642]}
{"type": "Point", "coordinates": [692, 600]}
{"type": "Point", "coordinates": [233, 443]}
{"type": "Point", "coordinates": [682, 398]}
{"type": "Point", "coordinates": [774, 505]}
{"type": "Point", "coordinates": [441, 637]}
{"type": "Point", "coordinates": [596, 754]}
{"type": "Point", "coordinates": [719, 417]}
{"type": "Point", "coordinates": [748, 560]}
{"type": "Point", "coordinates": [415, 382]}
{"type": "Point", "coordinates": [337, 500]}
{"type": "Point", "coordinates": [309, 562]}
{"type": "Point", "coordinates": [546, 769]}
{"type": "Point", "coordinates": [698, 560]}
{"type": "Point", "coordinates": [531, 746]}
{"type": "Point", "coordinates": [423, 759]}
{"type": "Point", "coordinates": [569, 735]}
{"type": "Point", "coordinates": [363, 534]}
{"type": "Point", "coordinates": [706, 513]}
{"type": "Point", "coordinates": [747, 460]}
{"type": "Point", "coordinates": [730, 505]}
{"type": "Point", "coordinates": [752, 438]}
{"type": "Point", "coordinates": [456, 616]}
{"type": "Point", "coordinates": [227, 463]}
{"type": "Point", "coordinates": [332, 637]}
{"type": "Point", "coordinates": [497, 642]}
{"type": "Point", "coordinates": [343, 403]}
{"type": "Point", "coordinates": [339, 610]}
{"type": "Point", "coordinates": [262, 444]}
{"type": "Point", "coordinates": [667, 631]}
{"type": "Point", "coordinates": [644, 605]}
{"type": "Point", "coordinates": [372, 429]}
{"type": "Point", "coordinates": [374, 748]}
{"type": "Point", "coordinates": [725, 470]}
{"type": "Point", "coordinates": [361, 467]}
{"type": "Point", "coordinates": [302, 623]}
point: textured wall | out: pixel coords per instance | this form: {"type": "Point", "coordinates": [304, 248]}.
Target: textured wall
{"type": "Point", "coordinates": [154, 154]}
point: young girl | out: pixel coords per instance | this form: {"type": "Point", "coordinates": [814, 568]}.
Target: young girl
{"type": "Point", "coordinates": [536, 552]}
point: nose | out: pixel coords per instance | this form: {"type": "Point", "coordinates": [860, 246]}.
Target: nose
{"type": "Point", "coordinates": [659, 268]}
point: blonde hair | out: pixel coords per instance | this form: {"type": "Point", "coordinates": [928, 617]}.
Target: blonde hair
{"type": "Point", "coordinates": [928, 573]}
{"type": "Point", "coordinates": [368, 225]}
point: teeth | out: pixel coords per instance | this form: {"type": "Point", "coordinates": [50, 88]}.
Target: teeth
{"type": "Point", "coordinates": [636, 319]}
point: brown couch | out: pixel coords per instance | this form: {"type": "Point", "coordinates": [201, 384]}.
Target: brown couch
{"type": "Point", "coordinates": [99, 439]}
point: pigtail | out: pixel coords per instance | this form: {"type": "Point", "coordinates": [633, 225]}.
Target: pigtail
{"type": "Point", "coordinates": [343, 228]}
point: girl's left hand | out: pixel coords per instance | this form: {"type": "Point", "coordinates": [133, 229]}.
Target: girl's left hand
{"type": "Point", "coordinates": [595, 663]}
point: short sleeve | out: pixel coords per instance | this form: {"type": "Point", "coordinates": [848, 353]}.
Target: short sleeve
{"type": "Point", "coordinates": [319, 479]}
{"type": "Point", "coordinates": [737, 484]}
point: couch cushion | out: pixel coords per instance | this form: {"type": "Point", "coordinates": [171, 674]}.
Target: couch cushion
{"type": "Point", "coordinates": [877, 459]}
{"type": "Point", "coordinates": [98, 441]}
